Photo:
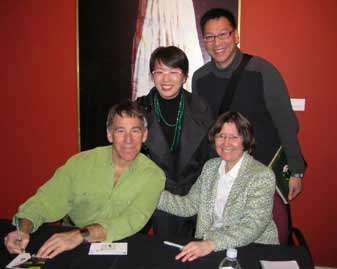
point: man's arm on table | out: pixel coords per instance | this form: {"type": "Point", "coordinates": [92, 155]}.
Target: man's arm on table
{"type": "Point", "coordinates": [57, 243]}
{"type": "Point", "coordinates": [61, 242]}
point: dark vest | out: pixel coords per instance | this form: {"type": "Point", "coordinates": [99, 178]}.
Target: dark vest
{"type": "Point", "coordinates": [249, 101]}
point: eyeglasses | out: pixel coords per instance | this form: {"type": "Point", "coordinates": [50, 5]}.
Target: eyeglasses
{"type": "Point", "coordinates": [220, 36]}
{"type": "Point", "coordinates": [223, 137]}
{"type": "Point", "coordinates": [171, 73]}
{"type": "Point", "coordinates": [120, 132]}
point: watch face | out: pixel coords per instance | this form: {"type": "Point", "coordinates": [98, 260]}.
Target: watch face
{"type": "Point", "coordinates": [85, 234]}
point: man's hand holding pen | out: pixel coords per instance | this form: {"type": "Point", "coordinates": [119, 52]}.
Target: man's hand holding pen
{"type": "Point", "coordinates": [15, 244]}
{"type": "Point", "coordinates": [17, 241]}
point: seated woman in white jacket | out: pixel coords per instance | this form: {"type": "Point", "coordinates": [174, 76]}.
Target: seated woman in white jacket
{"type": "Point", "coordinates": [233, 196]}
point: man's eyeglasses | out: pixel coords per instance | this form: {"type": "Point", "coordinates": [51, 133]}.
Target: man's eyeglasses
{"type": "Point", "coordinates": [135, 131]}
{"type": "Point", "coordinates": [220, 36]}
{"type": "Point", "coordinates": [171, 73]}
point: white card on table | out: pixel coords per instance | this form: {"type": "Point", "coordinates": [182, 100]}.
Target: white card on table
{"type": "Point", "coordinates": [108, 249]}
{"type": "Point", "coordinates": [18, 260]}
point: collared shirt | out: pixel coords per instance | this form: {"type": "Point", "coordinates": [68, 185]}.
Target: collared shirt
{"type": "Point", "coordinates": [84, 189]}
{"type": "Point", "coordinates": [225, 183]}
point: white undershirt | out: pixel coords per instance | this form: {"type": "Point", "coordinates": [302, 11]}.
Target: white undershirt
{"type": "Point", "coordinates": [225, 183]}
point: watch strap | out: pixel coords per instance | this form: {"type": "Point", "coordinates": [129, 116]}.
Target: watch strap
{"type": "Point", "coordinates": [85, 235]}
{"type": "Point", "coordinates": [299, 175]}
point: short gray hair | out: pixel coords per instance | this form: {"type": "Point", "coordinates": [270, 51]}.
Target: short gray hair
{"type": "Point", "coordinates": [128, 108]}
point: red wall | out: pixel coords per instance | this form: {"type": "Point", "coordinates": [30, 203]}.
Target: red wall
{"type": "Point", "coordinates": [39, 97]}
{"type": "Point", "coordinates": [300, 38]}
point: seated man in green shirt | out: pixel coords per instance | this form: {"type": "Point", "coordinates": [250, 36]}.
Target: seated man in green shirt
{"type": "Point", "coordinates": [109, 192]}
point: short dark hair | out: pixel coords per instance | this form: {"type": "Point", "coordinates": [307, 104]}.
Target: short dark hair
{"type": "Point", "coordinates": [128, 108]}
{"type": "Point", "coordinates": [243, 126]}
{"type": "Point", "coordinates": [171, 56]}
{"type": "Point", "coordinates": [216, 13]}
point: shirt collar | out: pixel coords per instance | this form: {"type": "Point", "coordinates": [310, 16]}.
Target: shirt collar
{"type": "Point", "coordinates": [109, 161]}
{"type": "Point", "coordinates": [233, 172]}
{"type": "Point", "coordinates": [228, 71]}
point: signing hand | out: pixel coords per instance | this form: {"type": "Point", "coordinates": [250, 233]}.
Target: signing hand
{"type": "Point", "coordinates": [295, 187]}
{"type": "Point", "coordinates": [59, 243]}
{"type": "Point", "coordinates": [13, 244]}
{"type": "Point", "coordinates": [195, 249]}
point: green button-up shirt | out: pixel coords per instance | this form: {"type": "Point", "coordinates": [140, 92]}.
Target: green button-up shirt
{"type": "Point", "coordinates": [84, 189]}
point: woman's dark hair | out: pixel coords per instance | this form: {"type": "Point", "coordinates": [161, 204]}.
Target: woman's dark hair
{"type": "Point", "coordinates": [216, 13]}
{"type": "Point", "coordinates": [170, 56]}
{"type": "Point", "coordinates": [243, 126]}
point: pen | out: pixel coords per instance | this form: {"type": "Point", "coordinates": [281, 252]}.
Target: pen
{"type": "Point", "coordinates": [19, 235]}
{"type": "Point", "coordinates": [173, 244]}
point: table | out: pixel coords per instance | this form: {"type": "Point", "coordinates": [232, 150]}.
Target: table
{"type": "Point", "coordinates": [149, 252]}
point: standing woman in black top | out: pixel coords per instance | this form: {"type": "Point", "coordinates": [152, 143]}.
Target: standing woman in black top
{"type": "Point", "coordinates": [177, 138]}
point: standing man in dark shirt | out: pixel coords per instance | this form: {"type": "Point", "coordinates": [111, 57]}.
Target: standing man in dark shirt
{"type": "Point", "coordinates": [261, 94]}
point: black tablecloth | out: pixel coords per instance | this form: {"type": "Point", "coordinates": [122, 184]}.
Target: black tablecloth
{"type": "Point", "coordinates": [150, 253]}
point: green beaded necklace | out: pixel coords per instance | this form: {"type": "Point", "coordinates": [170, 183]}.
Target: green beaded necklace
{"type": "Point", "coordinates": [177, 124]}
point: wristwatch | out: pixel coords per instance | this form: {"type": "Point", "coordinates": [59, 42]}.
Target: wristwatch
{"type": "Point", "coordinates": [85, 234]}
{"type": "Point", "coordinates": [299, 175]}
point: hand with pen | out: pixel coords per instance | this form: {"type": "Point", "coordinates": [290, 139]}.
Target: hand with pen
{"type": "Point", "coordinates": [195, 249]}
{"type": "Point", "coordinates": [17, 241]}
{"type": "Point", "coordinates": [192, 250]}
